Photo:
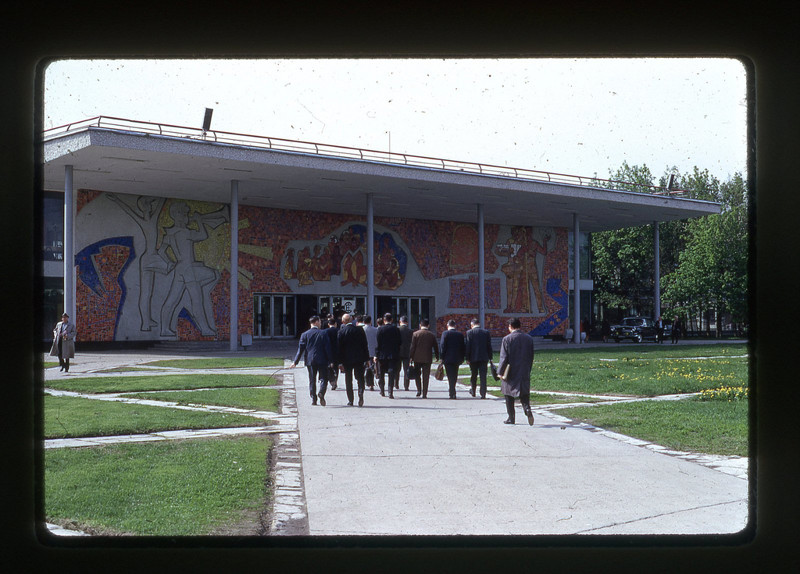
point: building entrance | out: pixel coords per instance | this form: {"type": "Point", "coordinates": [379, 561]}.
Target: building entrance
{"type": "Point", "coordinates": [415, 308]}
{"type": "Point", "coordinates": [274, 316]}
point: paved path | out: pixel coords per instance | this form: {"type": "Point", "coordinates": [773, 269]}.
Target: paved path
{"type": "Point", "coordinates": [413, 466]}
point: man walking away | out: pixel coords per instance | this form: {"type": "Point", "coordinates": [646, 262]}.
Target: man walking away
{"type": "Point", "coordinates": [423, 349]}
{"type": "Point", "coordinates": [516, 355]}
{"type": "Point", "coordinates": [676, 329]}
{"type": "Point", "coordinates": [453, 351]}
{"type": "Point", "coordinates": [479, 353]}
{"type": "Point", "coordinates": [405, 352]}
{"type": "Point", "coordinates": [372, 341]}
{"type": "Point", "coordinates": [353, 355]}
{"type": "Point", "coordinates": [332, 332]}
{"type": "Point", "coordinates": [388, 353]}
{"type": "Point", "coordinates": [315, 348]}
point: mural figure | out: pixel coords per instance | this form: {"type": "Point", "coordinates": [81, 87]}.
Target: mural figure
{"type": "Point", "coordinates": [524, 269]}
{"type": "Point", "coordinates": [288, 268]}
{"type": "Point", "coordinates": [304, 266]}
{"type": "Point", "coordinates": [387, 265]}
{"type": "Point", "coordinates": [464, 248]}
{"type": "Point", "coordinates": [354, 269]}
{"type": "Point", "coordinates": [189, 276]}
{"type": "Point", "coordinates": [154, 259]}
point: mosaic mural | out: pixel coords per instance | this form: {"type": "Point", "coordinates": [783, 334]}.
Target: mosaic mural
{"type": "Point", "coordinates": [153, 268]}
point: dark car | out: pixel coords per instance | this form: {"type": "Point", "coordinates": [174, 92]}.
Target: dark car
{"type": "Point", "coordinates": [634, 328]}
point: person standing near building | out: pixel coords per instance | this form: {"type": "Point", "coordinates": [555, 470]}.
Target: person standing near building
{"type": "Point", "coordinates": [660, 329]}
{"type": "Point", "coordinates": [315, 349]}
{"type": "Point", "coordinates": [516, 361]}
{"type": "Point", "coordinates": [453, 351]}
{"type": "Point", "coordinates": [676, 329]}
{"type": "Point", "coordinates": [353, 355]}
{"type": "Point", "coordinates": [372, 342]}
{"type": "Point", "coordinates": [332, 333]}
{"type": "Point", "coordinates": [423, 349]}
{"type": "Point", "coordinates": [405, 353]}
{"type": "Point", "coordinates": [64, 342]}
{"type": "Point", "coordinates": [478, 352]}
{"type": "Point", "coordinates": [387, 353]}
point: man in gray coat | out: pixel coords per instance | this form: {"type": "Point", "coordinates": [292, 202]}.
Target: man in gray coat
{"type": "Point", "coordinates": [64, 342]}
{"type": "Point", "coordinates": [516, 355]}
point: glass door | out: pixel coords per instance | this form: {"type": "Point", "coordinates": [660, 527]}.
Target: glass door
{"type": "Point", "coordinates": [274, 316]}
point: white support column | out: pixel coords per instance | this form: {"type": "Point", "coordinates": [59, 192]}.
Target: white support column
{"type": "Point", "coordinates": [481, 278]}
{"type": "Point", "coordinates": [370, 260]}
{"type": "Point", "coordinates": [234, 306]}
{"type": "Point", "coordinates": [576, 274]}
{"type": "Point", "coordinates": [69, 245]}
{"type": "Point", "coordinates": [656, 272]}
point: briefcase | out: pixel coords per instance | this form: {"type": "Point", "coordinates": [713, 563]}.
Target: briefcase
{"type": "Point", "coordinates": [495, 374]}
{"type": "Point", "coordinates": [413, 372]}
{"type": "Point", "coordinates": [439, 376]}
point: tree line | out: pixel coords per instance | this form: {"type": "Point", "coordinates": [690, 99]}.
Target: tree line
{"type": "Point", "coordinates": [703, 261]}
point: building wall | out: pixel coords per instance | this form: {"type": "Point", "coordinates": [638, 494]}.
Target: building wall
{"type": "Point", "coordinates": [152, 268]}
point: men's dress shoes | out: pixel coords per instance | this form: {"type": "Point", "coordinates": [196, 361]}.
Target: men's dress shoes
{"type": "Point", "coordinates": [383, 394]}
{"type": "Point", "coordinates": [472, 392]}
{"type": "Point", "coordinates": [419, 394]}
{"type": "Point", "coordinates": [322, 400]}
{"type": "Point", "coordinates": [314, 402]}
{"type": "Point", "coordinates": [349, 403]}
{"type": "Point", "coordinates": [333, 387]}
{"type": "Point", "coordinates": [508, 422]}
{"type": "Point", "coordinates": [62, 367]}
{"type": "Point", "coordinates": [391, 395]}
{"type": "Point", "coordinates": [361, 401]}
{"type": "Point", "coordinates": [529, 414]}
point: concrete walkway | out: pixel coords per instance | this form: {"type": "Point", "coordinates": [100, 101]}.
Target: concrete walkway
{"type": "Point", "coordinates": [412, 466]}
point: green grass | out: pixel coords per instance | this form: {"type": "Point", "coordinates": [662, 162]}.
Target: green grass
{"type": "Point", "coordinates": [256, 399]}
{"type": "Point", "coordinates": [647, 370]}
{"type": "Point", "coordinates": [710, 427]}
{"type": "Point", "coordinates": [159, 382]}
{"type": "Point", "coordinates": [176, 488]}
{"type": "Point", "coordinates": [218, 363]}
{"type": "Point", "coordinates": [76, 417]}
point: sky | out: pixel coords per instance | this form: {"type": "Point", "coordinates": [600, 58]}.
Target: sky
{"type": "Point", "coordinates": [573, 116]}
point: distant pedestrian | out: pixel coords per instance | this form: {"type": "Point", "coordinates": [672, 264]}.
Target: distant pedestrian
{"type": "Point", "coordinates": [387, 353]}
{"type": "Point", "coordinates": [516, 362]}
{"type": "Point", "coordinates": [606, 330]}
{"type": "Point", "coordinates": [453, 350]}
{"type": "Point", "coordinates": [478, 353]}
{"type": "Point", "coordinates": [676, 329]}
{"type": "Point", "coordinates": [315, 350]}
{"type": "Point", "coordinates": [353, 355]}
{"type": "Point", "coordinates": [372, 341]}
{"type": "Point", "coordinates": [64, 342]}
{"type": "Point", "coordinates": [423, 348]}
{"type": "Point", "coordinates": [332, 332]}
{"type": "Point", "coordinates": [405, 353]}
{"type": "Point", "coordinates": [660, 329]}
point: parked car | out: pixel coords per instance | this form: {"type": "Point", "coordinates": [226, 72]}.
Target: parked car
{"type": "Point", "coordinates": [634, 328]}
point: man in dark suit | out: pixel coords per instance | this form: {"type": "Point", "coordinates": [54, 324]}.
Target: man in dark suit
{"type": "Point", "coordinates": [453, 351]}
{"type": "Point", "coordinates": [387, 353]}
{"type": "Point", "coordinates": [332, 332]}
{"type": "Point", "coordinates": [353, 355]}
{"type": "Point", "coordinates": [405, 352]}
{"type": "Point", "coordinates": [516, 354]}
{"type": "Point", "coordinates": [315, 349]}
{"type": "Point", "coordinates": [479, 353]}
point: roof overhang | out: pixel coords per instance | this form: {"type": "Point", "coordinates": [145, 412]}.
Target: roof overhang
{"type": "Point", "coordinates": [130, 162]}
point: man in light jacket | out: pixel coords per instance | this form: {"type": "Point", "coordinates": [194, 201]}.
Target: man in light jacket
{"type": "Point", "coordinates": [516, 355]}
{"type": "Point", "coordinates": [64, 342]}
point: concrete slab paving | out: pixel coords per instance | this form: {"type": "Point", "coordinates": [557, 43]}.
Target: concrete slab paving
{"type": "Point", "coordinates": [411, 466]}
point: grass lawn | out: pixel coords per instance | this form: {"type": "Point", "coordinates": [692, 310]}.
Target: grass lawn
{"type": "Point", "coordinates": [175, 488]}
{"type": "Point", "coordinates": [76, 417]}
{"type": "Point", "coordinates": [218, 363]}
{"type": "Point", "coordinates": [710, 427]}
{"type": "Point", "coordinates": [256, 399]}
{"type": "Point", "coordinates": [159, 382]}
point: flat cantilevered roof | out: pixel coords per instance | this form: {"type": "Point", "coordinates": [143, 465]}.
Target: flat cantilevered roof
{"type": "Point", "coordinates": [139, 158]}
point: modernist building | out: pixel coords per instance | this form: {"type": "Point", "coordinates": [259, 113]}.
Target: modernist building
{"type": "Point", "coordinates": [173, 233]}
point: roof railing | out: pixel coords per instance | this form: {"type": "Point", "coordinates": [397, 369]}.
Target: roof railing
{"type": "Point", "coordinates": [331, 150]}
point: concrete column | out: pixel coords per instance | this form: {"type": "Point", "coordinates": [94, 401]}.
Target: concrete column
{"type": "Point", "coordinates": [234, 306]}
{"type": "Point", "coordinates": [576, 277]}
{"type": "Point", "coordinates": [481, 278]}
{"type": "Point", "coordinates": [656, 272]}
{"type": "Point", "coordinates": [69, 245]}
{"type": "Point", "coordinates": [370, 259]}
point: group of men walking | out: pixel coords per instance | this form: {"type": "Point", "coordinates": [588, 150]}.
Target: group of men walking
{"type": "Point", "coordinates": [367, 353]}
